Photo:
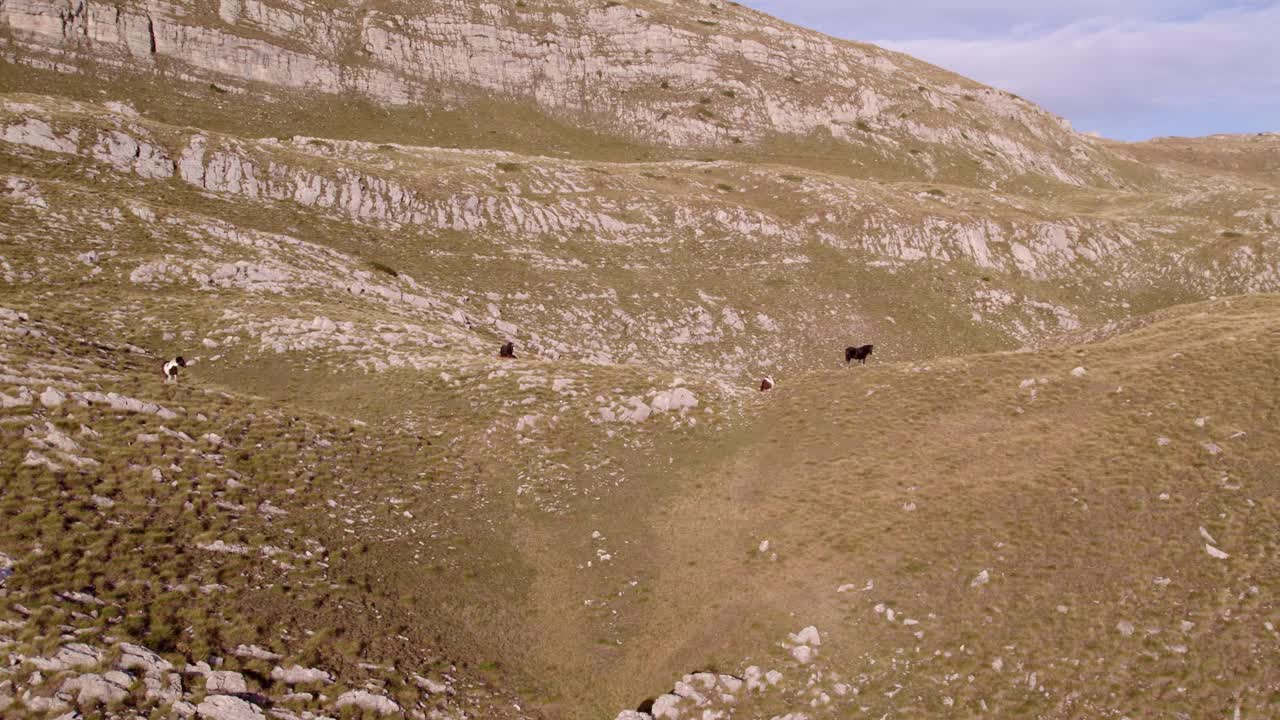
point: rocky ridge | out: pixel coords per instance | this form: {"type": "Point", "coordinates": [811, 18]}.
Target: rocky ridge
{"type": "Point", "coordinates": [705, 75]}
{"type": "Point", "coordinates": [1040, 276]}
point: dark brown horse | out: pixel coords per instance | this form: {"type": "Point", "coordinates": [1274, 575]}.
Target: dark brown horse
{"type": "Point", "coordinates": [858, 353]}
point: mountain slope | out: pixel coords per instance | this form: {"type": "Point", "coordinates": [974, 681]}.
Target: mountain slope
{"type": "Point", "coordinates": [759, 266]}
{"type": "Point", "coordinates": [349, 505]}
{"type": "Point", "coordinates": [1005, 533]}
{"type": "Point", "coordinates": [663, 75]}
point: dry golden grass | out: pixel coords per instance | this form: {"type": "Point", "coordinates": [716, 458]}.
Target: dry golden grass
{"type": "Point", "coordinates": [454, 540]}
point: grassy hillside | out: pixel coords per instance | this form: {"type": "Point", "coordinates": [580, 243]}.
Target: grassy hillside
{"type": "Point", "coordinates": [1041, 533]}
{"type": "Point", "coordinates": [1050, 493]}
{"type": "Point", "coordinates": [586, 570]}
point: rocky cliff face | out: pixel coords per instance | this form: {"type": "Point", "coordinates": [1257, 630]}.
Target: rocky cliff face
{"type": "Point", "coordinates": [1032, 272]}
{"type": "Point", "coordinates": [1018, 269]}
{"type": "Point", "coordinates": [704, 75]}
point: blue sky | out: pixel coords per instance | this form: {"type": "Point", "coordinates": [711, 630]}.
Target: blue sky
{"type": "Point", "coordinates": [1128, 69]}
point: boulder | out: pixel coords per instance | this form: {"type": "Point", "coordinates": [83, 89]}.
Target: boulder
{"type": "Point", "coordinates": [1215, 552]}
{"type": "Point", "coordinates": [253, 651]}
{"type": "Point", "coordinates": [138, 658]}
{"type": "Point", "coordinates": [803, 654]}
{"type": "Point", "coordinates": [162, 691]}
{"type": "Point", "coordinates": [37, 133]}
{"type": "Point", "coordinates": [227, 707]}
{"type": "Point", "coordinates": [674, 400]}
{"type": "Point", "coordinates": [21, 399]}
{"type": "Point", "coordinates": [638, 413]}
{"type": "Point", "coordinates": [225, 682]}
{"type": "Point", "coordinates": [730, 683]}
{"type": "Point", "coordinates": [666, 706]}
{"type": "Point", "coordinates": [367, 701]}
{"type": "Point", "coordinates": [52, 397]}
{"type": "Point", "coordinates": [93, 689]}
{"type": "Point", "coordinates": [75, 655]}
{"type": "Point", "coordinates": [430, 685]}
{"type": "Point", "coordinates": [807, 636]}
{"type": "Point", "coordinates": [298, 675]}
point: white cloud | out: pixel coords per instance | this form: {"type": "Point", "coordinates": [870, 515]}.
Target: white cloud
{"type": "Point", "coordinates": [1113, 65]}
{"type": "Point", "coordinates": [1131, 68]}
{"type": "Point", "coordinates": [907, 19]}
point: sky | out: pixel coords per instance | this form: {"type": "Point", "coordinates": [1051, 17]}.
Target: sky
{"type": "Point", "coordinates": [1127, 69]}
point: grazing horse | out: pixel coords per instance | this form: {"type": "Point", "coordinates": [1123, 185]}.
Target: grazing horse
{"type": "Point", "coordinates": [170, 369]}
{"type": "Point", "coordinates": [508, 350]}
{"type": "Point", "coordinates": [766, 383]}
{"type": "Point", "coordinates": [858, 353]}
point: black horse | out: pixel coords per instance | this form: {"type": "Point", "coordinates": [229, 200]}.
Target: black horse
{"type": "Point", "coordinates": [858, 353]}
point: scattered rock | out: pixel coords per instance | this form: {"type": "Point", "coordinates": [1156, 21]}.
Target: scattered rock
{"type": "Point", "coordinates": [431, 686]}
{"type": "Point", "coordinates": [75, 655]}
{"type": "Point", "coordinates": [21, 399]}
{"type": "Point", "coordinates": [807, 636]}
{"type": "Point", "coordinates": [803, 654]}
{"type": "Point", "coordinates": [298, 675]}
{"type": "Point", "coordinates": [225, 682]}
{"type": "Point", "coordinates": [52, 397]}
{"type": "Point", "coordinates": [674, 400]}
{"type": "Point", "coordinates": [227, 707]}
{"type": "Point", "coordinates": [163, 690]}
{"type": "Point", "coordinates": [138, 658]}
{"type": "Point", "coordinates": [666, 707]}
{"type": "Point", "coordinates": [220, 546]}
{"type": "Point", "coordinates": [1215, 552]}
{"type": "Point", "coordinates": [93, 689]}
{"type": "Point", "coordinates": [367, 701]}
{"type": "Point", "coordinates": [128, 404]}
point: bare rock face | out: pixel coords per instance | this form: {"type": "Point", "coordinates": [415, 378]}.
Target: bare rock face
{"type": "Point", "coordinates": [37, 133]}
{"type": "Point", "coordinates": [127, 154]}
{"type": "Point", "coordinates": [677, 77]}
